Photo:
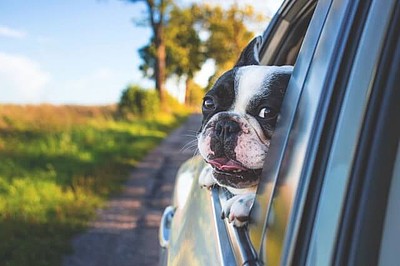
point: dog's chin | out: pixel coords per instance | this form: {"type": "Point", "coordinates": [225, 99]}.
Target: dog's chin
{"type": "Point", "coordinates": [238, 178]}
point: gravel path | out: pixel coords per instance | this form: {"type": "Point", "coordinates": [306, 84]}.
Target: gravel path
{"type": "Point", "coordinates": [126, 231]}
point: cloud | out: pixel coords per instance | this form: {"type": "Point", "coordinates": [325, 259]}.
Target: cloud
{"type": "Point", "coordinates": [21, 79]}
{"type": "Point", "coordinates": [11, 33]}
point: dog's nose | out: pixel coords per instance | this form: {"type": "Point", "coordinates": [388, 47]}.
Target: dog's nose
{"type": "Point", "coordinates": [226, 129]}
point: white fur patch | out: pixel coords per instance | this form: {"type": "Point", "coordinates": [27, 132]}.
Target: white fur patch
{"type": "Point", "coordinates": [249, 82]}
{"type": "Point", "coordinates": [250, 151]}
{"type": "Point", "coordinates": [238, 206]}
{"type": "Point", "coordinates": [206, 178]}
{"type": "Point", "coordinates": [204, 145]}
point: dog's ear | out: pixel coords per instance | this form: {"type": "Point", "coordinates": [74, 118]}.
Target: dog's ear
{"type": "Point", "coordinates": [249, 55]}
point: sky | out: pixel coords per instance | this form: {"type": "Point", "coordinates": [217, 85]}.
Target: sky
{"type": "Point", "coordinates": [78, 51]}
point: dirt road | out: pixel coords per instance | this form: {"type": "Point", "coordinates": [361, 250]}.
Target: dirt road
{"type": "Point", "coordinates": [126, 231]}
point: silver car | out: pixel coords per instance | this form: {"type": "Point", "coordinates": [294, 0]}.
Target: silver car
{"type": "Point", "coordinates": [330, 192]}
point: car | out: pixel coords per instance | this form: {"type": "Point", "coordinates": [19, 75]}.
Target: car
{"type": "Point", "coordinates": [330, 189]}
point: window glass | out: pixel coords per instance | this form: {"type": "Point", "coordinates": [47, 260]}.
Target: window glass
{"type": "Point", "coordinates": [389, 254]}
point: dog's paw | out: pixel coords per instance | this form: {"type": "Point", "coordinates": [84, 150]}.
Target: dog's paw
{"type": "Point", "coordinates": [237, 209]}
{"type": "Point", "coordinates": [206, 178]}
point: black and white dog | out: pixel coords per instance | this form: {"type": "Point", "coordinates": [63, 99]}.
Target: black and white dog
{"type": "Point", "coordinates": [239, 116]}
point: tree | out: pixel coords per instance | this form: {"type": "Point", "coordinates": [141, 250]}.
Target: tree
{"type": "Point", "coordinates": [157, 13]}
{"type": "Point", "coordinates": [228, 34]}
{"type": "Point", "coordinates": [194, 94]}
{"type": "Point", "coordinates": [185, 52]}
{"type": "Point", "coordinates": [184, 49]}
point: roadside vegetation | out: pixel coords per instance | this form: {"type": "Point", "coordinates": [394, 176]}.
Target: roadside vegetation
{"type": "Point", "coordinates": [58, 164]}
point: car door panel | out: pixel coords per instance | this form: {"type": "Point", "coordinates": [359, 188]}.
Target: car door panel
{"type": "Point", "coordinates": [195, 240]}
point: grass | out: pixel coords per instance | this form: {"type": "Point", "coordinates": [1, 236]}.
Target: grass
{"type": "Point", "coordinates": [57, 165]}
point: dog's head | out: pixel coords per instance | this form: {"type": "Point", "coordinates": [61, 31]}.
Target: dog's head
{"type": "Point", "coordinates": [239, 116]}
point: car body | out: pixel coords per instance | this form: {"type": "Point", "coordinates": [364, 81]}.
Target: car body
{"type": "Point", "coordinates": [330, 189]}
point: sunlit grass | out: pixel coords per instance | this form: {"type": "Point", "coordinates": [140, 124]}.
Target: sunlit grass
{"type": "Point", "coordinates": [58, 164]}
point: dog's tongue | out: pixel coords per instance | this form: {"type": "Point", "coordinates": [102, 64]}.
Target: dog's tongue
{"type": "Point", "coordinates": [225, 164]}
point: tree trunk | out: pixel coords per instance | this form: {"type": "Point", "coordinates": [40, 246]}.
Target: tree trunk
{"type": "Point", "coordinates": [187, 90]}
{"type": "Point", "coordinates": [160, 62]}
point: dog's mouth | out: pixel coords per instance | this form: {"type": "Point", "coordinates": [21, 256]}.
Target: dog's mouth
{"type": "Point", "coordinates": [227, 165]}
{"type": "Point", "coordinates": [232, 173]}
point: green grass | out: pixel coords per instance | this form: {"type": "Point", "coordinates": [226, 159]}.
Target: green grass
{"type": "Point", "coordinates": [54, 173]}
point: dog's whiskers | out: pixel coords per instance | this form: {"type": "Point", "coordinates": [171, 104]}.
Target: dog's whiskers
{"type": "Point", "coordinates": [191, 145]}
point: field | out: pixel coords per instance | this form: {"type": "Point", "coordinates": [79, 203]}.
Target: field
{"type": "Point", "coordinates": [57, 165]}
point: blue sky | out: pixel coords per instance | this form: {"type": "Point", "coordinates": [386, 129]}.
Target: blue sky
{"type": "Point", "coordinates": [71, 52]}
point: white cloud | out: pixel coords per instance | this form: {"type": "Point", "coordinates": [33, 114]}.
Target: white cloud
{"type": "Point", "coordinates": [11, 33]}
{"type": "Point", "coordinates": [21, 79]}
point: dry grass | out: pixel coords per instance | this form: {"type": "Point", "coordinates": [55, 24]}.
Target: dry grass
{"type": "Point", "coordinates": [51, 117]}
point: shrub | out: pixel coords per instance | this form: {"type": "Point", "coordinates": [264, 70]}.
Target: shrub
{"type": "Point", "coordinates": [138, 102]}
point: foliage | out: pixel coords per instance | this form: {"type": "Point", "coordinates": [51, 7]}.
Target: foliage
{"type": "Point", "coordinates": [184, 50]}
{"type": "Point", "coordinates": [226, 35]}
{"type": "Point", "coordinates": [157, 12]}
{"type": "Point", "coordinates": [138, 102]}
{"type": "Point", "coordinates": [194, 94]}
{"type": "Point", "coordinates": [59, 163]}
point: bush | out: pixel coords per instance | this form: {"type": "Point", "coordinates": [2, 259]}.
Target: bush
{"type": "Point", "coordinates": [138, 102]}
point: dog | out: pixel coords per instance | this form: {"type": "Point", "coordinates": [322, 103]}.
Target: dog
{"type": "Point", "coordinates": [239, 116]}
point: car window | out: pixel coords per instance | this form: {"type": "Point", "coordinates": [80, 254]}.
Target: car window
{"type": "Point", "coordinates": [282, 46]}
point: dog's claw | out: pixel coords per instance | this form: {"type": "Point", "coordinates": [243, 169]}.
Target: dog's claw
{"type": "Point", "coordinates": [237, 209]}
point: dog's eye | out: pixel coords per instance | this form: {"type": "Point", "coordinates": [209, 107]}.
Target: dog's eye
{"type": "Point", "coordinates": [208, 103]}
{"type": "Point", "coordinates": [266, 113]}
